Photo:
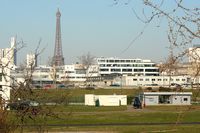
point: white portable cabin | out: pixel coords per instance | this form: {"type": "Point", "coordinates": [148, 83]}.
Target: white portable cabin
{"type": "Point", "coordinates": [165, 98]}
{"type": "Point", "coordinates": [105, 100]}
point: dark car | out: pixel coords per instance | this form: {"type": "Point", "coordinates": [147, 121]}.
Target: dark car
{"type": "Point", "coordinates": [21, 105]}
{"type": "Point", "coordinates": [137, 103]}
{"type": "Point", "coordinates": [115, 85]}
{"type": "Point", "coordinates": [61, 86]}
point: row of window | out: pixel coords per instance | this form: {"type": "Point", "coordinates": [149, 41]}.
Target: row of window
{"type": "Point", "coordinates": [147, 79]}
{"type": "Point", "coordinates": [129, 70]}
{"type": "Point", "coordinates": [72, 77]}
{"type": "Point", "coordinates": [117, 60]}
{"type": "Point", "coordinates": [127, 65]}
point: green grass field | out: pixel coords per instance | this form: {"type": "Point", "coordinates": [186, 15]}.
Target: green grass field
{"type": "Point", "coordinates": [114, 115]}
{"type": "Point", "coordinates": [68, 114]}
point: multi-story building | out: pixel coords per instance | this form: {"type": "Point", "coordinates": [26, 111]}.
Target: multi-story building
{"type": "Point", "coordinates": [135, 67]}
{"type": "Point", "coordinates": [10, 53]}
{"type": "Point", "coordinates": [31, 60]}
{"type": "Point", "coordinates": [78, 73]}
{"type": "Point", "coordinates": [5, 79]}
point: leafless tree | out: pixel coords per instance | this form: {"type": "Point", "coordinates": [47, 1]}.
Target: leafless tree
{"type": "Point", "coordinates": [21, 93]}
{"type": "Point", "coordinates": [87, 61]}
{"type": "Point", "coordinates": [183, 21]}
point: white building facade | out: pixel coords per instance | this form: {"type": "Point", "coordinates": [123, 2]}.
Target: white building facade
{"type": "Point", "coordinates": [78, 73]}
{"type": "Point", "coordinates": [137, 67]}
{"type": "Point", "coordinates": [165, 98]}
{"type": "Point", "coordinates": [105, 100]}
{"type": "Point", "coordinates": [155, 80]}
{"type": "Point", "coordinates": [10, 53]}
{"type": "Point", "coordinates": [5, 79]}
{"type": "Point", "coordinates": [31, 60]}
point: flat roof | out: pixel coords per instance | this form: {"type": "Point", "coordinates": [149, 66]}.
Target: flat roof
{"type": "Point", "coordinates": [167, 93]}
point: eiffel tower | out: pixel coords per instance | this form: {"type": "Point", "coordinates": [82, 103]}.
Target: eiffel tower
{"type": "Point", "coordinates": [58, 59]}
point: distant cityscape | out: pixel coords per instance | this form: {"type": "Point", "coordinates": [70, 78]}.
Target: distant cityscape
{"type": "Point", "coordinates": [101, 72]}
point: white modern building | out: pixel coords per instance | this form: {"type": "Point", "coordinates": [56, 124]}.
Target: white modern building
{"type": "Point", "coordinates": [165, 98]}
{"type": "Point", "coordinates": [155, 80]}
{"type": "Point", "coordinates": [77, 73]}
{"type": "Point", "coordinates": [5, 79]}
{"type": "Point", "coordinates": [10, 53]}
{"type": "Point", "coordinates": [137, 67]}
{"type": "Point", "coordinates": [31, 60]}
{"type": "Point", "coordinates": [105, 100]}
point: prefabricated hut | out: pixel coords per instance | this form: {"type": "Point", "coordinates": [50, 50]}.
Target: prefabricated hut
{"type": "Point", "coordinates": [105, 100]}
{"type": "Point", "coordinates": [165, 98]}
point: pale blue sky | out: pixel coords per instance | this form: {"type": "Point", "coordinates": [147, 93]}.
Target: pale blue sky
{"type": "Point", "coordinates": [93, 26]}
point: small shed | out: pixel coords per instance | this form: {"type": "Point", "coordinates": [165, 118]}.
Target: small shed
{"type": "Point", "coordinates": [165, 98]}
{"type": "Point", "coordinates": [105, 100]}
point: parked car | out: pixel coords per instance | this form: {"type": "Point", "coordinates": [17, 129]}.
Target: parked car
{"type": "Point", "coordinates": [21, 105]}
{"type": "Point", "coordinates": [115, 85]}
{"type": "Point", "coordinates": [61, 86]}
{"type": "Point", "coordinates": [37, 86]}
{"type": "Point", "coordinates": [47, 86]}
{"type": "Point", "coordinates": [137, 103]}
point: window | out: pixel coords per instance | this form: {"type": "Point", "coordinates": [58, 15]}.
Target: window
{"type": "Point", "coordinates": [138, 70]}
{"type": "Point", "coordinates": [81, 71]}
{"type": "Point", "coordinates": [126, 70]}
{"type": "Point", "coordinates": [1, 76]}
{"type": "Point", "coordinates": [102, 65]}
{"type": "Point", "coordinates": [185, 99]}
{"type": "Point", "coordinates": [165, 80]}
{"type": "Point", "coordinates": [141, 79]}
{"type": "Point", "coordinates": [183, 79]}
{"type": "Point", "coordinates": [177, 79]}
{"type": "Point", "coordinates": [115, 70]}
{"type": "Point", "coordinates": [102, 61]}
{"type": "Point", "coordinates": [146, 79]}
{"type": "Point", "coordinates": [151, 70]}
{"type": "Point", "coordinates": [134, 79]}
{"type": "Point", "coordinates": [153, 79]}
{"type": "Point", "coordinates": [159, 80]}
{"type": "Point", "coordinates": [104, 70]}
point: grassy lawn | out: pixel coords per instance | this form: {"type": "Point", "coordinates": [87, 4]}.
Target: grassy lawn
{"type": "Point", "coordinates": [67, 114]}
{"type": "Point", "coordinates": [132, 129]}
{"type": "Point", "coordinates": [108, 115]}
{"type": "Point", "coordinates": [77, 95]}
